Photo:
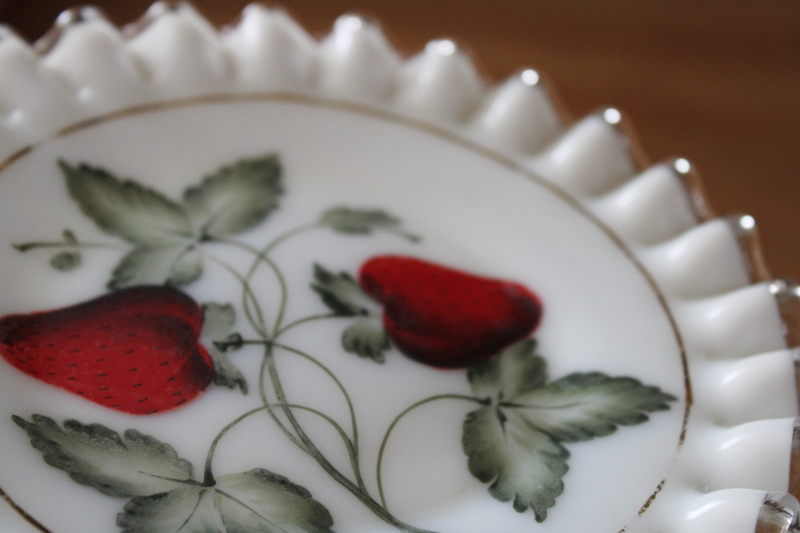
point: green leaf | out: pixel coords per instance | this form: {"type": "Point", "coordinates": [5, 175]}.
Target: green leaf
{"type": "Point", "coordinates": [235, 198]}
{"type": "Point", "coordinates": [231, 342]}
{"type": "Point", "coordinates": [131, 465]}
{"type": "Point", "coordinates": [342, 294]}
{"type": "Point", "coordinates": [126, 209]}
{"type": "Point", "coordinates": [255, 501]}
{"type": "Point", "coordinates": [367, 338]}
{"type": "Point", "coordinates": [66, 261]}
{"type": "Point", "coordinates": [225, 373]}
{"type": "Point", "coordinates": [522, 463]}
{"type": "Point", "coordinates": [171, 265]}
{"type": "Point", "coordinates": [362, 221]}
{"type": "Point", "coordinates": [580, 407]}
{"type": "Point", "coordinates": [515, 371]}
{"type": "Point", "coordinates": [259, 500]}
{"type": "Point", "coordinates": [189, 509]}
{"type": "Point", "coordinates": [186, 268]}
{"type": "Point", "coordinates": [358, 221]}
{"type": "Point", "coordinates": [69, 236]}
{"type": "Point", "coordinates": [218, 319]}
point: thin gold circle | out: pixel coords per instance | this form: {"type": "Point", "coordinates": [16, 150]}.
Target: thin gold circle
{"type": "Point", "coordinates": [420, 125]}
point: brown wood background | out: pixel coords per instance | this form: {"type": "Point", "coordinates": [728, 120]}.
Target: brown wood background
{"type": "Point", "coordinates": [717, 82]}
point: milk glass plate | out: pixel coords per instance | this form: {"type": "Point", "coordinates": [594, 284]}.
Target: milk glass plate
{"type": "Point", "coordinates": [258, 283]}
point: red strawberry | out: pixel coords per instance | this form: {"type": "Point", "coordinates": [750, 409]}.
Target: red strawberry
{"type": "Point", "coordinates": [134, 350]}
{"type": "Point", "coordinates": [445, 317]}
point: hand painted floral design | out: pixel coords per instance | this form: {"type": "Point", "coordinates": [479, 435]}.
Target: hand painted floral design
{"type": "Point", "coordinates": [147, 347]}
{"type": "Point", "coordinates": [164, 494]}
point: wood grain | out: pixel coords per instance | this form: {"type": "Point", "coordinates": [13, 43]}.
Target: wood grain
{"type": "Point", "coordinates": [717, 82]}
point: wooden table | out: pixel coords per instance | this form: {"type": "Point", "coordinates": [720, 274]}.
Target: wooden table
{"type": "Point", "coordinates": [717, 82]}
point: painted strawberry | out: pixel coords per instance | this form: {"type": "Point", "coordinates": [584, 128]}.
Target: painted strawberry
{"type": "Point", "coordinates": [135, 350]}
{"type": "Point", "coordinates": [448, 318]}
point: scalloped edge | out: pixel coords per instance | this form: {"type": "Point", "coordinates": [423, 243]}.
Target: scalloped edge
{"type": "Point", "coordinates": [597, 160]}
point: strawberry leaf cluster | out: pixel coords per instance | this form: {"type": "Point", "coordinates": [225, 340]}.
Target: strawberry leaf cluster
{"type": "Point", "coordinates": [366, 337]}
{"type": "Point", "coordinates": [167, 235]}
{"type": "Point", "coordinates": [165, 496]}
{"type": "Point", "coordinates": [515, 442]}
{"type": "Point", "coordinates": [217, 321]}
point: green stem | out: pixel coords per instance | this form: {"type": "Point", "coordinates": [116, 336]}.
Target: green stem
{"type": "Point", "coordinates": [312, 450]}
{"type": "Point", "coordinates": [355, 456]}
{"type": "Point", "coordinates": [347, 442]}
{"type": "Point", "coordinates": [284, 293]}
{"type": "Point", "coordinates": [404, 413]}
{"type": "Point", "coordinates": [25, 246]}
{"type": "Point", "coordinates": [288, 235]}
{"type": "Point", "coordinates": [299, 321]}
{"type": "Point", "coordinates": [265, 363]}
{"type": "Point", "coordinates": [301, 440]}
{"type": "Point", "coordinates": [208, 478]}
{"type": "Point", "coordinates": [258, 323]}
{"type": "Point", "coordinates": [261, 256]}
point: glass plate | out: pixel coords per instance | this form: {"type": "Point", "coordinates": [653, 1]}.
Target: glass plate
{"type": "Point", "coordinates": [253, 282]}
